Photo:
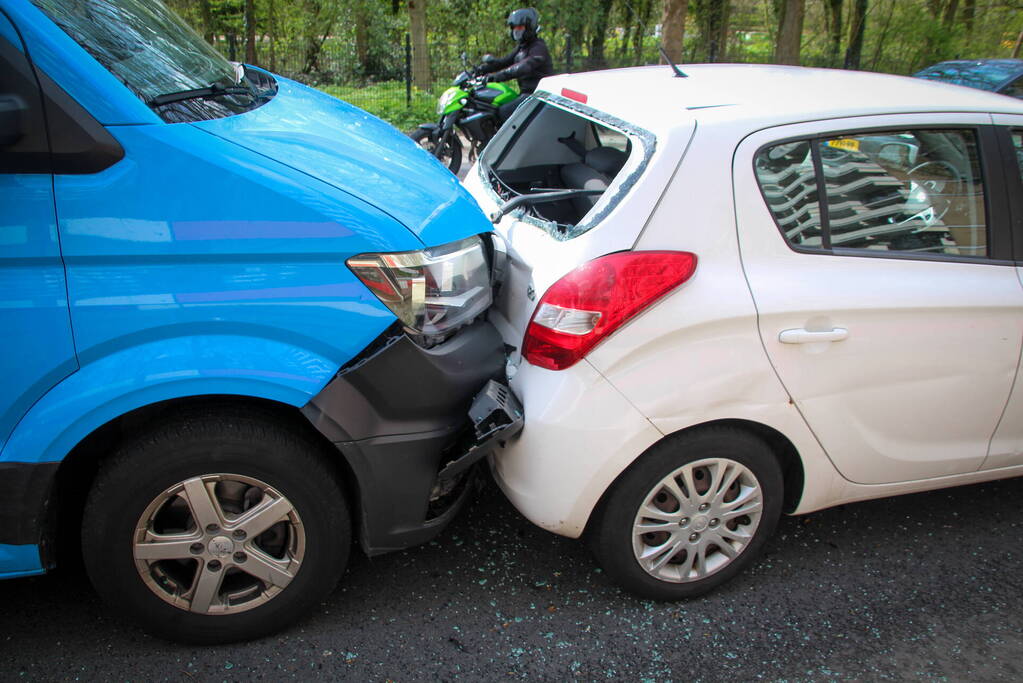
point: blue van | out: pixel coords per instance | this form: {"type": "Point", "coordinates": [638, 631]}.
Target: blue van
{"type": "Point", "coordinates": [242, 324]}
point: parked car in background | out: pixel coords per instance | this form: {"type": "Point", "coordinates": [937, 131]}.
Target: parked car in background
{"type": "Point", "coordinates": [749, 291]}
{"type": "Point", "coordinates": [243, 324]}
{"type": "Point", "coordinates": [1003, 76]}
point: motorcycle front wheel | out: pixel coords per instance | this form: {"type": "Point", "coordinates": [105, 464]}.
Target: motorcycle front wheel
{"type": "Point", "coordinates": [449, 154]}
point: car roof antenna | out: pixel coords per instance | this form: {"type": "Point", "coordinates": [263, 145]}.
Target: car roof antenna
{"type": "Point", "coordinates": [674, 67]}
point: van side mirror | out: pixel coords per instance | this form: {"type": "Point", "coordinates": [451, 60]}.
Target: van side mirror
{"type": "Point", "coordinates": [12, 122]}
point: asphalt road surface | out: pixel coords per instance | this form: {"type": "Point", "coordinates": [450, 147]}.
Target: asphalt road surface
{"type": "Point", "coordinates": [919, 587]}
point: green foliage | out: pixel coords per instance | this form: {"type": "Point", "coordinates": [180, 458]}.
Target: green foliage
{"type": "Point", "coordinates": [356, 49]}
{"type": "Point", "coordinates": [387, 101]}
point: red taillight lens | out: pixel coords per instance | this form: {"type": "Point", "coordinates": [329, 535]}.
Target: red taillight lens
{"type": "Point", "coordinates": [597, 298]}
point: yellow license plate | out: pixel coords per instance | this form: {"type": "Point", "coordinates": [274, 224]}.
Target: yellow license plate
{"type": "Point", "coordinates": [845, 143]}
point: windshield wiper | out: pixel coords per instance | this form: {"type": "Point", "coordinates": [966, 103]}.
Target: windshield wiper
{"type": "Point", "coordinates": [538, 198]}
{"type": "Point", "coordinates": [206, 93]}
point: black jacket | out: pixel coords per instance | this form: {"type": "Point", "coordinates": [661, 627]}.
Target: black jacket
{"type": "Point", "coordinates": [529, 62]}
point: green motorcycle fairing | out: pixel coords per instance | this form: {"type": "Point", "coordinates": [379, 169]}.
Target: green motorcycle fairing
{"type": "Point", "coordinates": [454, 98]}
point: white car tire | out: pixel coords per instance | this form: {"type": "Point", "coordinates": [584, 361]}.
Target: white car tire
{"type": "Point", "coordinates": [692, 512]}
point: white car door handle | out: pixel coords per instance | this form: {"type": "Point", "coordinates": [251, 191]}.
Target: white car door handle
{"type": "Point", "coordinates": [806, 337]}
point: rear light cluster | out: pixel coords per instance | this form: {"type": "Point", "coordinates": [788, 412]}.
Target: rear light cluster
{"type": "Point", "coordinates": [433, 291]}
{"type": "Point", "coordinates": [597, 298]}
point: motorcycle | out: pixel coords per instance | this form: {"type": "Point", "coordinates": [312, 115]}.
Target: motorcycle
{"type": "Point", "coordinates": [469, 109]}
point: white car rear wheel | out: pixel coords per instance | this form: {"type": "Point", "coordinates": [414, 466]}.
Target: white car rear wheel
{"type": "Point", "coordinates": [690, 514]}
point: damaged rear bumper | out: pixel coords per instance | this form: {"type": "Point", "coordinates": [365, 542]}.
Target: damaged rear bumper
{"type": "Point", "coordinates": [410, 422]}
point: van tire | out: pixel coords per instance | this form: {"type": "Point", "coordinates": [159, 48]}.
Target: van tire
{"type": "Point", "coordinates": [198, 483]}
{"type": "Point", "coordinates": [684, 531]}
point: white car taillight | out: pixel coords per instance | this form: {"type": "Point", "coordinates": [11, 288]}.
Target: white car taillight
{"type": "Point", "coordinates": [433, 291]}
{"type": "Point", "coordinates": [597, 298]}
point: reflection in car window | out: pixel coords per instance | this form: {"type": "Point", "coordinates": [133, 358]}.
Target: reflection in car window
{"type": "Point", "coordinates": [908, 191]}
{"type": "Point", "coordinates": [789, 184]}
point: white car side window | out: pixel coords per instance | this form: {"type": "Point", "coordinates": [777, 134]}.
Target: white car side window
{"type": "Point", "coordinates": [908, 191]}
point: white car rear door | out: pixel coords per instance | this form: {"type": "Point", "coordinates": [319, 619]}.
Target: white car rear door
{"type": "Point", "coordinates": [898, 338]}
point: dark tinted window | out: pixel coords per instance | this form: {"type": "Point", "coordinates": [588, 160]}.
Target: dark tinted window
{"type": "Point", "coordinates": [1014, 89]}
{"type": "Point", "coordinates": [27, 149]}
{"type": "Point", "coordinates": [907, 191]}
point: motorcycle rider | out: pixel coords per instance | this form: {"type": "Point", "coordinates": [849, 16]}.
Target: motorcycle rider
{"type": "Point", "coordinates": [528, 62]}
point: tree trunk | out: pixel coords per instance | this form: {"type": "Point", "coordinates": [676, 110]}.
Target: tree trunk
{"type": "Point", "coordinates": [323, 16]}
{"type": "Point", "coordinates": [834, 19]}
{"type": "Point", "coordinates": [790, 33]}
{"type": "Point", "coordinates": [250, 31]}
{"type": "Point", "coordinates": [673, 28]}
{"type": "Point", "coordinates": [362, 37]}
{"type": "Point", "coordinates": [856, 31]}
{"type": "Point", "coordinates": [639, 35]}
{"type": "Point", "coordinates": [597, 59]}
{"type": "Point", "coordinates": [207, 22]}
{"type": "Point", "coordinates": [949, 17]}
{"type": "Point", "coordinates": [1019, 43]}
{"type": "Point", "coordinates": [623, 44]}
{"type": "Point", "coordinates": [271, 20]}
{"type": "Point", "coordinates": [969, 15]}
{"type": "Point", "coordinates": [420, 52]}
{"type": "Point", "coordinates": [879, 46]}
{"type": "Point", "coordinates": [719, 31]}
{"type": "Point", "coordinates": [712, 19]}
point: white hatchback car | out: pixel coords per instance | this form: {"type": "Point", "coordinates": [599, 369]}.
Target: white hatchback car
{"type": "Point", "coordinates": [749, 291]}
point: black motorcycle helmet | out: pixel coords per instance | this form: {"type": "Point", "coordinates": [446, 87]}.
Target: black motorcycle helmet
{"type": "Point", "coordinates": [529, 19]}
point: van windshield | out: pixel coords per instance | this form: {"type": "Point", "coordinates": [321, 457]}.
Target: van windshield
{"type": "Point", "coordinates": [155, 54]}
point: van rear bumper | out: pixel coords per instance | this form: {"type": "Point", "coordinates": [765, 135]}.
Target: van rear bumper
{"type": "Point", "coordinates": [399, 415]}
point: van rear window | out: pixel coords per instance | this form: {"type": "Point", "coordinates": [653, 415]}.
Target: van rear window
{"type": "Point", "coordinates": [560, 161]}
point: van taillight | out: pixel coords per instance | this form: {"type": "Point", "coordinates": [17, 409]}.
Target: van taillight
{"type": "Point", "coordinates": [597, 298]}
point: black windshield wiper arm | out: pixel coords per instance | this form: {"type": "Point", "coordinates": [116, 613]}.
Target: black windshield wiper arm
{"type": "Point", "coordinates": [537, 198]}
{"type": "Point", "coordinates": [200, 94]}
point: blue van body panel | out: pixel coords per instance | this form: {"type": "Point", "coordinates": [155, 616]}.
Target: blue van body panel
{"type": "Point", "coordinates": [216, 240]}
{"type": "Point", "coordinates": [344, 146]}
{"type": "Point", "coordinates": [19, 560]}
{"type": "Point", "coordinates": [233, 283]}
{"type": "Point", "coordinates": [188, 364]}
{"type": "Point", "coordinates": [74, 69]}
{"type": "Point", "coordinates": [37, 346]}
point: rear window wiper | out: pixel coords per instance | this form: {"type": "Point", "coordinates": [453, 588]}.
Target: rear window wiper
{"type": "Point", "coordinates": [538, 198]}
{"type": "Point", "coordinates": [206, 93]}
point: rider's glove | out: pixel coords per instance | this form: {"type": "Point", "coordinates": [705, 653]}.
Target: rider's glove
{"type": "Point", "coordinates": [489, 59]}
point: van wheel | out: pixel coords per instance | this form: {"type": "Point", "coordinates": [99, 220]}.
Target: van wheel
{"type": "Point", "coordinates": [690, 514]}
{"type": "Point", "coordinates": [450, 154]}
{"type": "Point", "coordinates": [215, 529]}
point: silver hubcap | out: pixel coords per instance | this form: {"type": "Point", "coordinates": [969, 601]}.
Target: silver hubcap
{"type": "Point", "coordinates": [218, 544]}
{"type": "Point", "coordinates": [696, 520]}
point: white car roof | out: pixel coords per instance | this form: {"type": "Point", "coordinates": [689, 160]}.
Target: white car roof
{"type": "Point", "coordinates": [652, 97]}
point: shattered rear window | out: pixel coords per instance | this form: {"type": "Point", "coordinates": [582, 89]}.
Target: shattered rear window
{"type": "Point", "coordinates": [560, 159]}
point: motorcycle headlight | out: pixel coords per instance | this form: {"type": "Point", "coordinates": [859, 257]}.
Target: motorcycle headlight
{"type": "Point", "coordinates": [432, 291]}
{"type": "Point", "coordinates": [447, 98]}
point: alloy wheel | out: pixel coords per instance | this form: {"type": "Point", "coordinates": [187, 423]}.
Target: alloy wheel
{"type": "Point", "coordinates": [697, 520]}
{"type": "Point", "coordinates": [218, 544]}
